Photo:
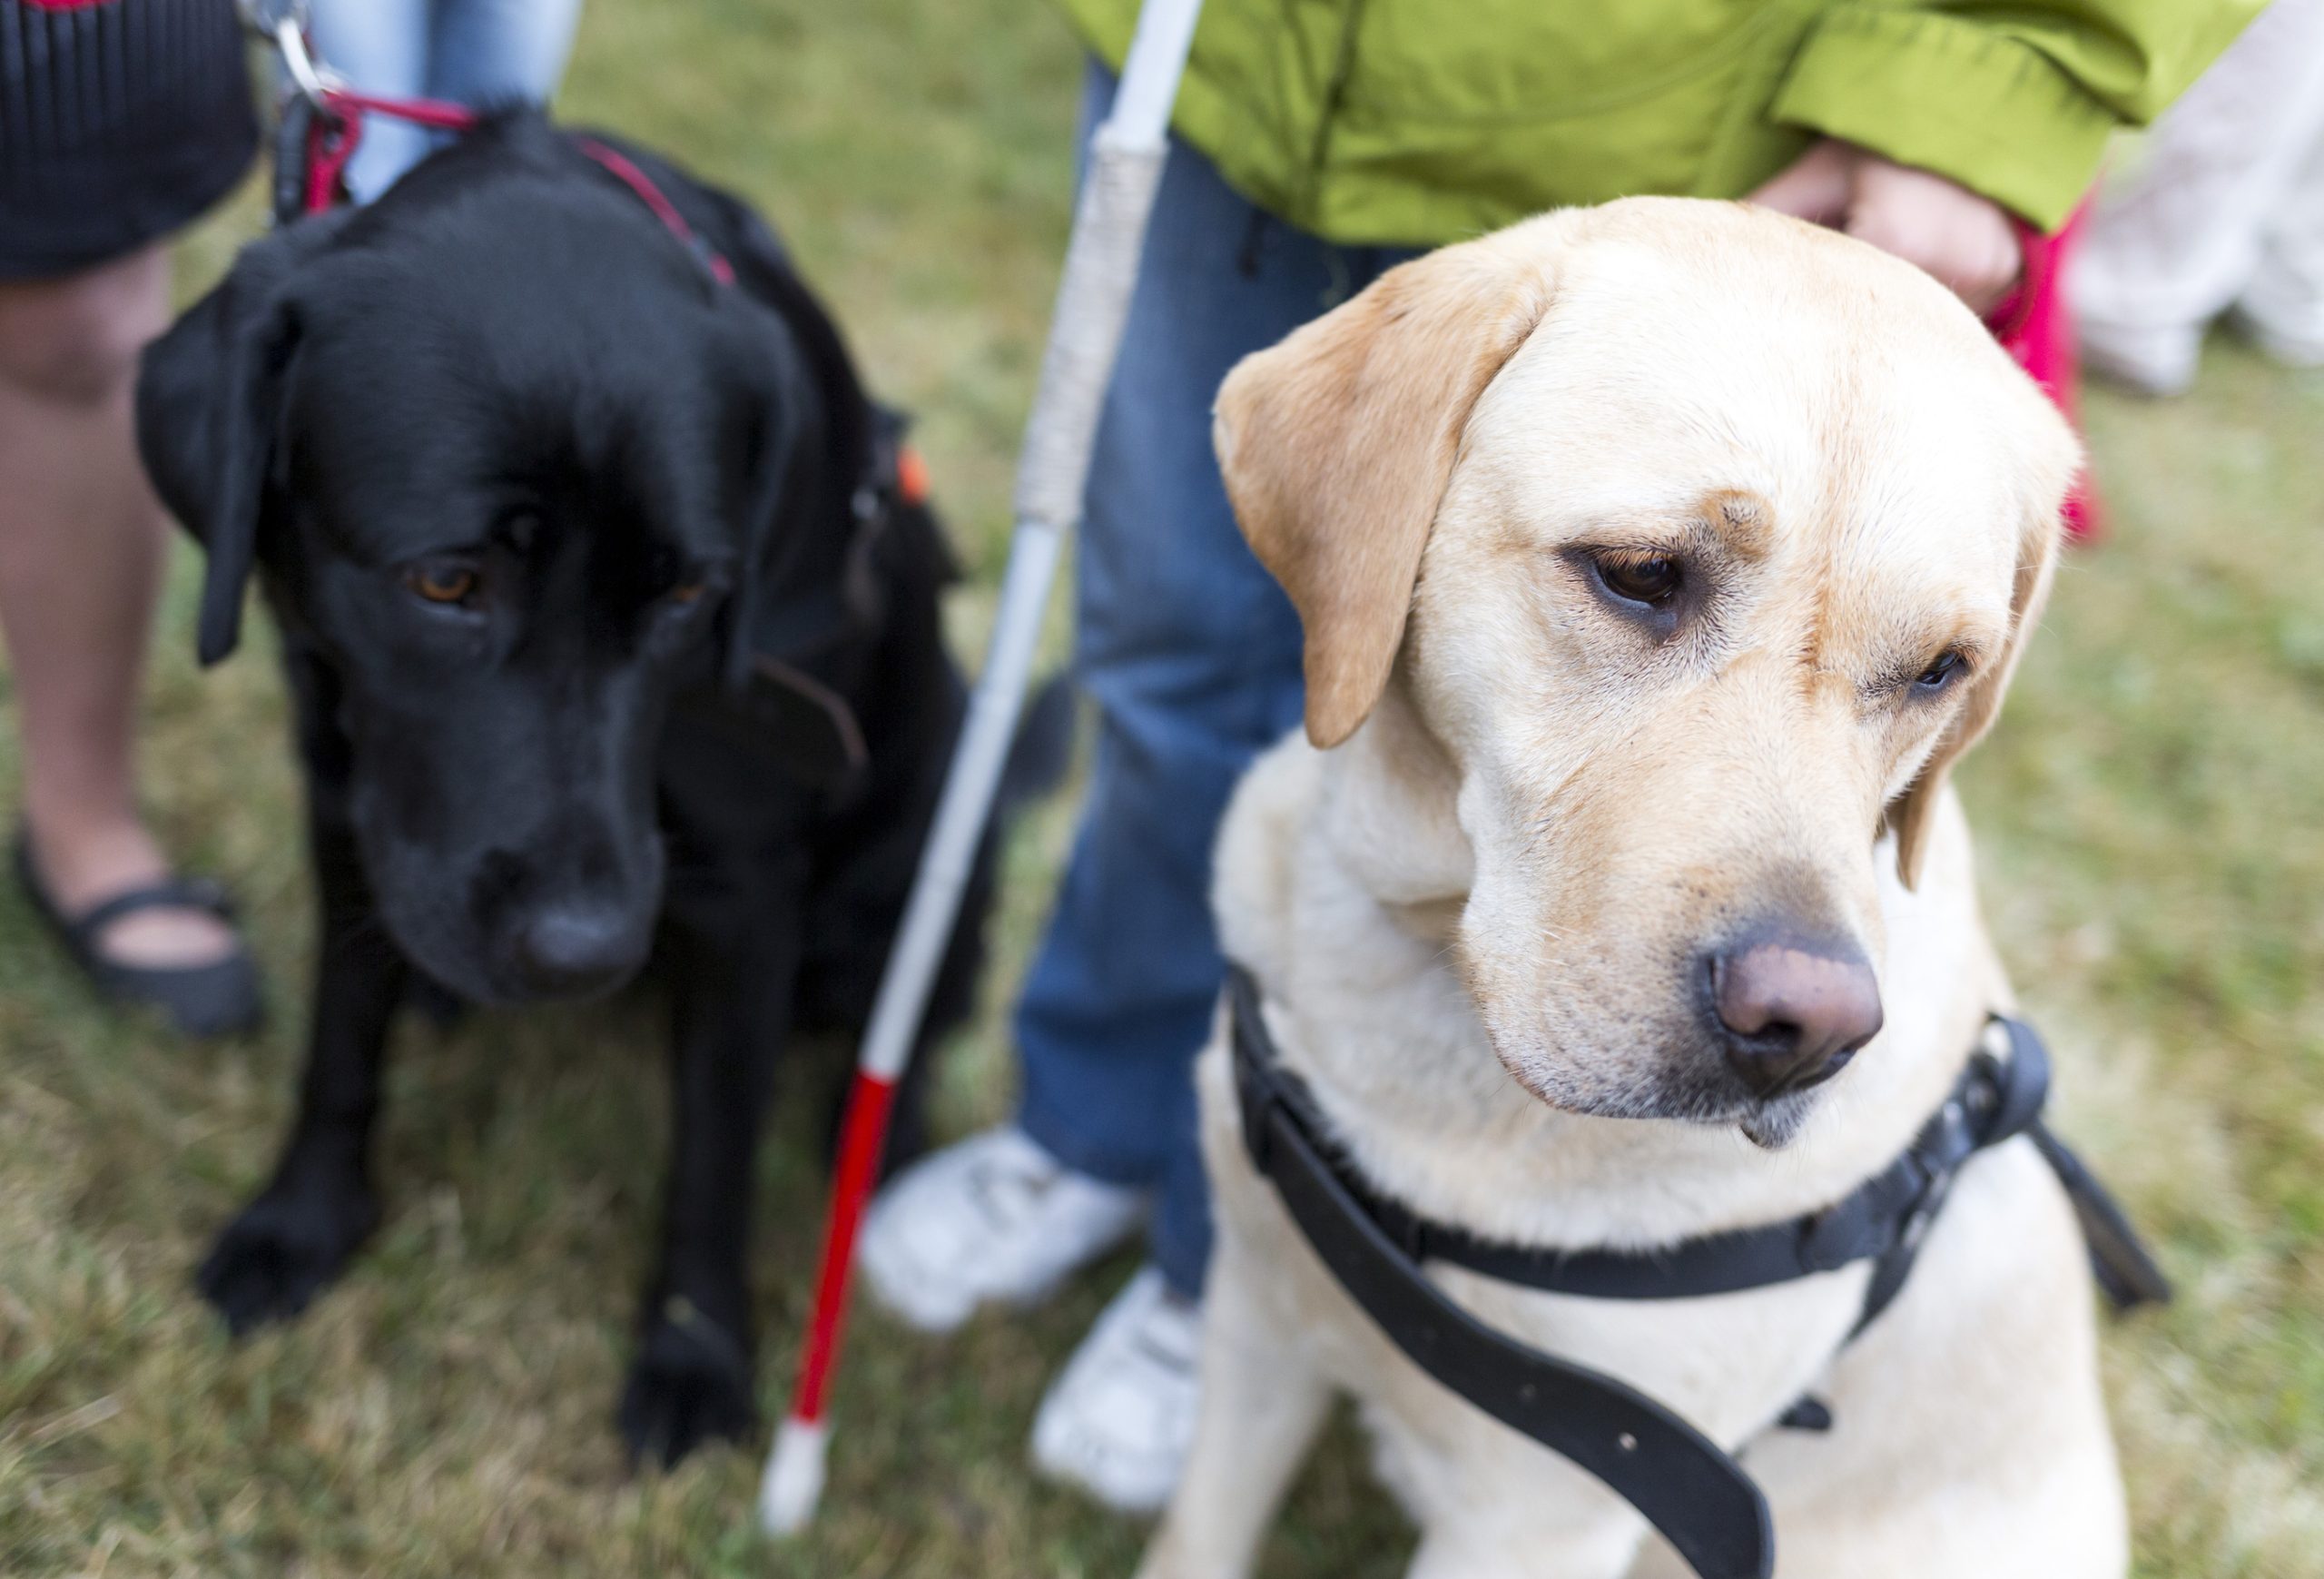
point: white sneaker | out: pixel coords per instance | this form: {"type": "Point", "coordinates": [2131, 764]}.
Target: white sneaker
{"type": "Point", "coordinates": [994, 1217]}
{"type": "Point", "coordinates": [1119, 1419]}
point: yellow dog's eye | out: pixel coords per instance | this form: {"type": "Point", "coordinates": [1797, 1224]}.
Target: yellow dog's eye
{"type": "Point", "coordinates": [1649, 580]}
{"type": "Point", "coordinates": [441, 581]}
{"type": "Point", "coordinates": [1949, 667]}
{"type": "Point", "coordinates": [687, 592]}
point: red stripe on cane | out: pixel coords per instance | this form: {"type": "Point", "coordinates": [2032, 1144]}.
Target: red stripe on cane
{"type": "Point", "coordinates": [861, 1141]}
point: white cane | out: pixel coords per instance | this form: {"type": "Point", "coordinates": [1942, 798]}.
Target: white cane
{"type": "Point", "coordinates": [1084, 333]}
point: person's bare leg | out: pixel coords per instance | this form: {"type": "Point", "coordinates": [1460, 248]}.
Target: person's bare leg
{"type": "Point", "coordinates": [82, 540]}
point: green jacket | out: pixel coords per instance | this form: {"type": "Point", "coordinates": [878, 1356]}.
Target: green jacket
{"type": "Point", "coordinates": [1417, 122]}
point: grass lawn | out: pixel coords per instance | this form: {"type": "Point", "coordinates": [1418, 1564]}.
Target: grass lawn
{"type": "Point", "coordinates": [2153, 832]}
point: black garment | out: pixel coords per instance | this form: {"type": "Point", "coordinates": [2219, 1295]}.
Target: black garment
{"type": "Point", "coordinates": [120, 121]}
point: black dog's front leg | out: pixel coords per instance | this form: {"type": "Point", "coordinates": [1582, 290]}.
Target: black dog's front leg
{"type": "Point", "coordinates": [295, 1236]}
{"type": "Point", "coordinates": [691, 1378]}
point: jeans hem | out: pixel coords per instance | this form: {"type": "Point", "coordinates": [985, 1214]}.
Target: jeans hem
{"type": "Point", "coordinates": [1184, 1266]}
{"type": "Point", "coordinates": [1060, 1137]}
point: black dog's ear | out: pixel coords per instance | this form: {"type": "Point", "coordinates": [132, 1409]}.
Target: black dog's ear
{"type": "Point", "coordinates": [775, 476]}
{"type": "Point", "coordinates": [813, 445]}
{"type": "Point", "coordinates": [209, 414]}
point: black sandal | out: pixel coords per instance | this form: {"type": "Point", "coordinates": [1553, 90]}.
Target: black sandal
{"type": "Point", "coordinates": [219, 998]}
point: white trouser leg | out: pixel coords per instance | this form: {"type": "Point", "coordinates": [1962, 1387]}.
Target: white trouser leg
{"type": "Point", "coordinates": [2283, 307]}
{"type": "Point", "coordinates": [2174, 244]}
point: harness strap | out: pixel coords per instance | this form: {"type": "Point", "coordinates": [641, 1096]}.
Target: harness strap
{"type": "Point", "coordinates": [2125, 1270]}
{"type": "Point", "coordinates": [1868, 1222]}
{"type": "Point", "coordinates": [1882, 1219]}
{"type": "Point", "coordinates": [1690, 1490]}
{"type": "Point", "coordinates": [1696, 1494]}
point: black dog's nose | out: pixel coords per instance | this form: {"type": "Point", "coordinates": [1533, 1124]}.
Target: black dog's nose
{"type": "Point", "coordinates": [572, 950]}
{"type": "Point", "coordinates": [1791, 1012]}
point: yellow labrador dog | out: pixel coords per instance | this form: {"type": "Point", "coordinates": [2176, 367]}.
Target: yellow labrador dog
{"type": "Point", "coordinates": [1656, 563]}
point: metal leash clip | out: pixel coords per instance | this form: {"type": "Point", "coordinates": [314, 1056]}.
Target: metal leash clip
{"type": "Point", "coordinates": [283, 25]}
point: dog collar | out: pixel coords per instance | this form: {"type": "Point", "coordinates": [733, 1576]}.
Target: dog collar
{"type": "Point", "coordinates": [1687, 1487]}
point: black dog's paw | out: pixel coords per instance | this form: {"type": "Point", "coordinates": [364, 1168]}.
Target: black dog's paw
{"type": "Point", "coordinates": [690, 1384]}
{"type": "Point", "coordinates": [285, 1248]}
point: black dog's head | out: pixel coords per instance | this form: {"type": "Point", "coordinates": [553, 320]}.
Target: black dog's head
{"type": "Point", "coordinates": [513, 467]}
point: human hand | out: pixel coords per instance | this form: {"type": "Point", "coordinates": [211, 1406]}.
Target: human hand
{"type": "Point", "coordinates": [1965, 241]}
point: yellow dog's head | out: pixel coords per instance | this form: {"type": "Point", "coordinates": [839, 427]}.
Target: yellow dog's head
{"type": "Point", "coordinates": [1678, 549]}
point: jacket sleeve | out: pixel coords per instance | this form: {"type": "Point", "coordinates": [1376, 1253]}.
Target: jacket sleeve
{"type": "Point", "coordinates": [2015, 100]}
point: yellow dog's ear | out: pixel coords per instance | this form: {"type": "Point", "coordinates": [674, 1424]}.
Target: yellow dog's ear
{"type": "Point", "coordinates": [1336, 445]}
{"type": "Point", "coordinates": [1913, 813]}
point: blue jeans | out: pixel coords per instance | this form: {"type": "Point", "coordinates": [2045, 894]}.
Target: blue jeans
{"type": "Point", "coordinates": [483, 53]}
{"type": "Point", "coordinates": [1191, 653]}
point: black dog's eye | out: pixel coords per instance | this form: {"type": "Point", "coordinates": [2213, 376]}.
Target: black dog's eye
{"type": "Point", "coordinates": [444, 581]}
{"type": "Point", "coordinates": [1948, 668]}
{"type": "Point", "coordinates": [1653, 580]}
{"type": "Point", "coordinates": [680, 585]}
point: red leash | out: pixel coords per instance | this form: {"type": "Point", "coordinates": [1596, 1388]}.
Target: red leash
{"type": "Point", "coordinates": [335, 129]}
{"type": "Point", "coordinates": [2035, 326]}
{"type": "Point", "coordinates": [625, 170]}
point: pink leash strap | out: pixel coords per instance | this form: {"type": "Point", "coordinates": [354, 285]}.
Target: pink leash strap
{"type": "Point", "coordinates": [336, 130]}
{"type": "Point", "coordinates": [624, 169]}
{"type": "Point", "coordinates": [2035, 326]}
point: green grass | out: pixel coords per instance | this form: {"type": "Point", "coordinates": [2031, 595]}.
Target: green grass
{"type": "Point", "coordinates": [2153, 851]}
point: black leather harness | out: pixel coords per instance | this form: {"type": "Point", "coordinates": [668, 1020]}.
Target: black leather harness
{"type": "Point", "coordinates": [1688, 1486]}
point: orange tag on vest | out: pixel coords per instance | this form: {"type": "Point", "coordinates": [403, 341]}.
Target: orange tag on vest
{"type": "Point", "coordinates": [911, 476]}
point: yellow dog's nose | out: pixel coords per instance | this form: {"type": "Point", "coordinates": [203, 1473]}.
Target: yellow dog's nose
{"type": "Point", "coordinates": [1793, 1012]}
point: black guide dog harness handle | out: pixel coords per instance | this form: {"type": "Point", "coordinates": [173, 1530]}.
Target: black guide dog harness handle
{"type": "Point", "coordinates": [1687, 1487]}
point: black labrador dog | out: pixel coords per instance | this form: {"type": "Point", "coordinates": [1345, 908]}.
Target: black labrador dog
{"type": "Point", "coordinates": [611, 624]}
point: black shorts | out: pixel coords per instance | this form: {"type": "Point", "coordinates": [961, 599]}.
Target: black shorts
{"type": "Point", "coordinates": [120, 121]}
